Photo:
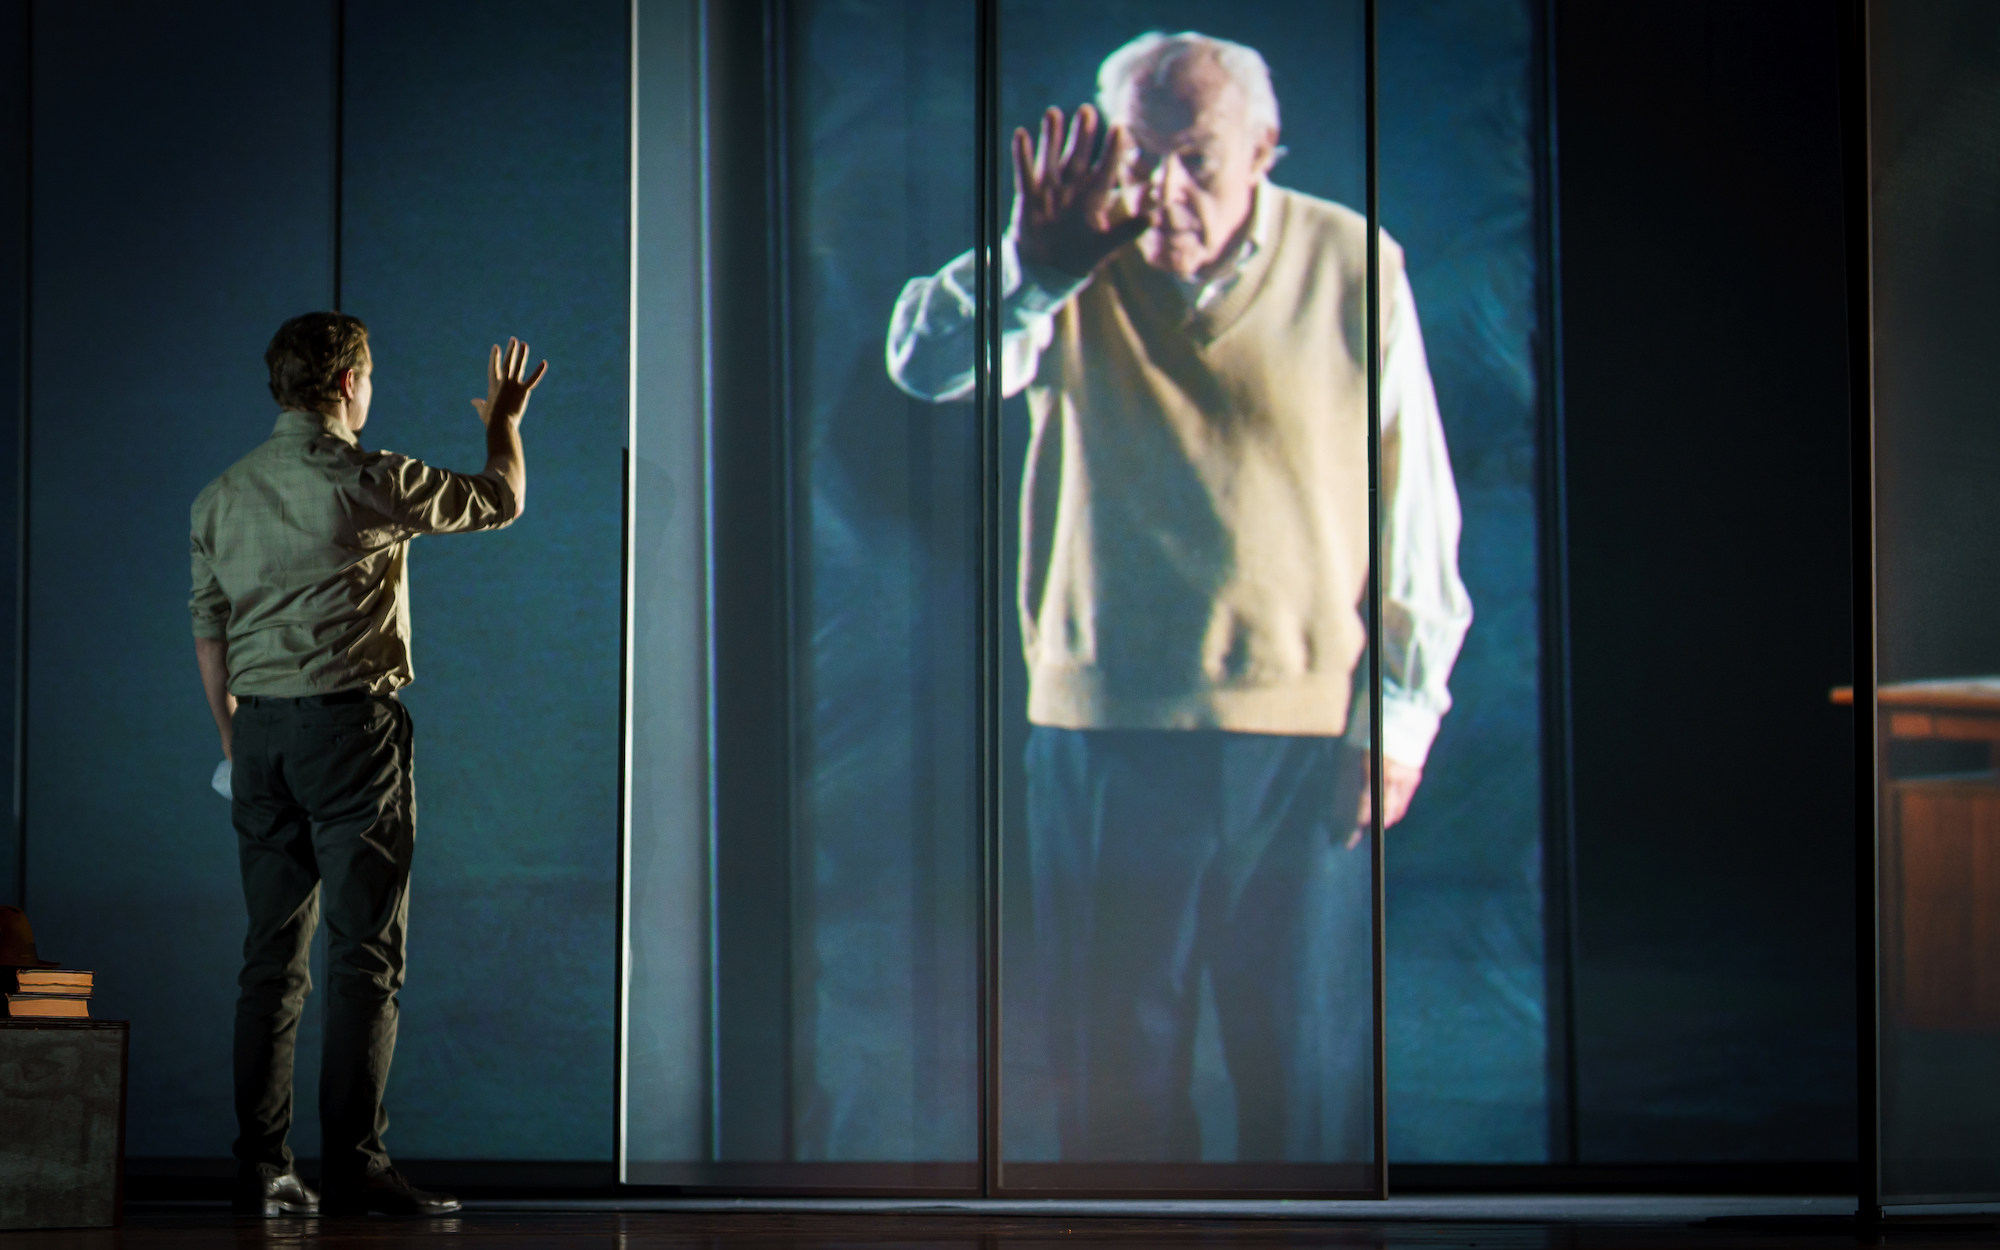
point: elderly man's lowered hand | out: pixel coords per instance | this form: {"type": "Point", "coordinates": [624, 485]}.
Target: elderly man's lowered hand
{"type": "Point", "coordinates": [1399, 786]}
{"type": "Point", "coordinates": [1067, 213]}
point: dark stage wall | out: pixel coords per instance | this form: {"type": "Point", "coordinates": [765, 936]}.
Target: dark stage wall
{"type": "Point", "coordinates": [1937, 258]}
{"type": "Point", "coordinates": [184, 206]}
{"type": "Point", "coordinates": [1705, 369]}
{"type": "Point", "coordinates": [13, 382]}
{"type": "Point", "coordinates": [175, 223]}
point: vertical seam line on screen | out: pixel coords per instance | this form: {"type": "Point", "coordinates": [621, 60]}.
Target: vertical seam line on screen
{"type": "Point", "coordinates": [1858, 160]}
{"type": "Point", "coordinates": [704, 112]}
{"type": "Point", "coordinates": [23, 446]}
{"type": "Point", "coordinates": [777, 215]}
{"type": "Point", "coordinates": [1372, 337]}
{"type": "Point", "coordinates": [622, 967]}
{"type": "Point", "coordinates": [986, 383]}
{"type": "Point", "coordinates": [1558, 719]}
{"type": "Point", "coordinates": [339, 144]}
{"type": "Point", "coordinates": [315, 1009]}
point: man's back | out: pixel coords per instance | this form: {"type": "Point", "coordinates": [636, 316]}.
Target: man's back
{"type": "Point", "coordinates": [299, 551]}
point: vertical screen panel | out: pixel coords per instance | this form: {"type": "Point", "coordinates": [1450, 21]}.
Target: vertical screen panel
{"type": "Point", "coordinates": [162, 264]}
{"type": "Point", "coordinates": [884, 495]}
{"type": "Point", "coordinates": [486, 195]}
{"type": "Point", "coordinates": [1187, 989]}
{"type": "Point", "coordinates": [1701, 187]}
{"type": "Point", "coordinates": [803, 1002]}
{"type": "Point", "coordinates": [1935, 101]}
{"type": "Point", "coordinates": [666, 1017]}
{"type": "Point", "coordinates": [1469, 1017]}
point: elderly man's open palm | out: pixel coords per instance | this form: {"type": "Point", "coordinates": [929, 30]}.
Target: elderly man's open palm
{"type": "Point", "coordinates": [1066, 202]}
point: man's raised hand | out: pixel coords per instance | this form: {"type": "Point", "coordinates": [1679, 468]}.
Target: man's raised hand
{"type": "Point", "coordinates": [1065, 202]}
{"type": "Point", "coordinates": [507, 398]}
{"type": "Point", "coordinates": [506, 391]}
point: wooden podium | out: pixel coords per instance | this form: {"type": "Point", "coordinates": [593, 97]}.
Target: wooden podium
{"type": "Point", "coordinates": [1940, 859]}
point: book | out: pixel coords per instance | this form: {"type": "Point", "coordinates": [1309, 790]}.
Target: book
{"type": "Point", "coordinates": [47, 1006]}
{"type": "Point", "coordinates": [49, 981]}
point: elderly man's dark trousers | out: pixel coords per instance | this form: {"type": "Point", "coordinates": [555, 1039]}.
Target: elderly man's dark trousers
{"type": "Point", "coordinates": [325, 814]}
{"type": "Point", "coordinates": [1157, 855]}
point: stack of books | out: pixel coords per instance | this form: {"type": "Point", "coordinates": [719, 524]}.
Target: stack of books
{"type": "Point", "coordinates": [46, 993]}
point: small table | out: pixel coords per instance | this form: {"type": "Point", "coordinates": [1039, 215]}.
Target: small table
{"type": "Point", "coordinates": [1940, 858]}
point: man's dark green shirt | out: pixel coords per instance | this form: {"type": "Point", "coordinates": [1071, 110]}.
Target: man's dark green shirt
{"type": "Point", "coordinates": [300, 555]}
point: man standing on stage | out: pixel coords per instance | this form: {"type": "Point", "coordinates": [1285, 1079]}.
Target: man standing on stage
{"type": "Point", "coordinates": [302, 634]}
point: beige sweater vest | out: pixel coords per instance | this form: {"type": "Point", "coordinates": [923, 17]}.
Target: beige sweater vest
{"type": "Point", "coordinates": [1194, 515]}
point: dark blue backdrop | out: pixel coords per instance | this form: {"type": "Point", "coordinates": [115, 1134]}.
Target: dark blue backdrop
{"type": "Point", "coordinates": [184, 206]}
{"type": "Point", "coordinates": [174, 228]}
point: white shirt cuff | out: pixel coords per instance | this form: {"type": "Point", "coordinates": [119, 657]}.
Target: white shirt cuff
{"type": "Point", "coordinates": [1408, 729]}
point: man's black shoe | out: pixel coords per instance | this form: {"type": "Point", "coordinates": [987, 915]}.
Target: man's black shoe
{"type": "Point", "coordinates": [388, 1193]}
{"type": "Point", "coordinates": [284, 1194]}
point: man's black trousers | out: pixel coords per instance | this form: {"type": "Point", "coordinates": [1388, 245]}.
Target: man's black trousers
{"type": "Point", "coordinates": [325, 813]}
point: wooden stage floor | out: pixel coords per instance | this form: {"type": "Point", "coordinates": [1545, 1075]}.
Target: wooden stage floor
{"type": "Point", "coordinates": [1495, 1224]}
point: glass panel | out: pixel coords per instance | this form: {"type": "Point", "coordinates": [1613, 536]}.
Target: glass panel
{"type": "Point", "coordinates": [1187, 988]}
{"type": "Point", "coordinates": [1467, 1014]}
{"type": "Point", "coordinates": [1936, 76]}
{"type": "Point", "coordinates": [804, 910]}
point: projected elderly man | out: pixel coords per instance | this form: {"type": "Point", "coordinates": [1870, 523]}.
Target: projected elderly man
{"type": "Point", "coordinates": [1193, 576]}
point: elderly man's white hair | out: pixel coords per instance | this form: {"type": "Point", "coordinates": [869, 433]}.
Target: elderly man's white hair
{"type": "Point", "coordinates": [1150, 59]}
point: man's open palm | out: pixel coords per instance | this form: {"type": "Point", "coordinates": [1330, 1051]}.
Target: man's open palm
{"type": "Point", "coordinates": [507, 391]}
{"type": "Point", "coordinates": [1065, 202]}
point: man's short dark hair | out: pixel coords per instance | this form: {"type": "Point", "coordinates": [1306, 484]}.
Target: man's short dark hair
{"type": "Point", "coordinates": [308, 354]}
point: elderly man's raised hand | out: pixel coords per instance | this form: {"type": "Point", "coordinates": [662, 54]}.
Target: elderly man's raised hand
{"type": "Point", "coordinates": [1067, 213]}
{"type": "Point", "coordinates": [507, 391]}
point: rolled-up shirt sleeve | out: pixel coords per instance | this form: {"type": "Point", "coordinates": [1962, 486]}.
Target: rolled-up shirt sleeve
{"type": "Point", "coordinates": [424, 499]}
{"type": "Point", "coordinates": [207, 604]}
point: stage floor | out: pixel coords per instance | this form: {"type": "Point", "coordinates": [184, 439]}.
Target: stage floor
{"type": "Point", "coordinates": [1498, 1223]}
